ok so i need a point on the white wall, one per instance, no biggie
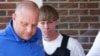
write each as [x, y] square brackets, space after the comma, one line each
[38, 2]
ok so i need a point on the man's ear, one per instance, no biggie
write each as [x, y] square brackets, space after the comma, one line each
[57, 22]
[13, 16]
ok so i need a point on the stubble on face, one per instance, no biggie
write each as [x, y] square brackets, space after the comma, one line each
[23, 21]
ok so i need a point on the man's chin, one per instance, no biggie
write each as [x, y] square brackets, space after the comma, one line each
[27, 37]
[46, 36]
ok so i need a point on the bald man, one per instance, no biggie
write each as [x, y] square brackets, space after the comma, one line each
[21, 36]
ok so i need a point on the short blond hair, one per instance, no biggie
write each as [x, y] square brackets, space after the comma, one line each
[47, 12]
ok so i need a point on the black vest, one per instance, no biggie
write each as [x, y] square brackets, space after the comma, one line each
[62, 51]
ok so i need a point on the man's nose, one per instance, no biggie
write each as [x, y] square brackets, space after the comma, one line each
[46, 25]
[29, 29]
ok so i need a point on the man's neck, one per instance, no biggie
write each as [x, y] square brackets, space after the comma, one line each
[52, 37]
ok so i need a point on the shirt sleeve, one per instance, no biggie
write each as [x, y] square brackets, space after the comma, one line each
[75, 48]
[39, 33]
[38, 36]
[95, 49]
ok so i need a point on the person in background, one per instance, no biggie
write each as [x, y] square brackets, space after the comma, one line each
[21, 36]
[55, 43]
[95, 49]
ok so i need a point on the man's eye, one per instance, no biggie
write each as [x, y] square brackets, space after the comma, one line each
[42, 22]
[49, 22]
[33, 25]
[25, 24]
